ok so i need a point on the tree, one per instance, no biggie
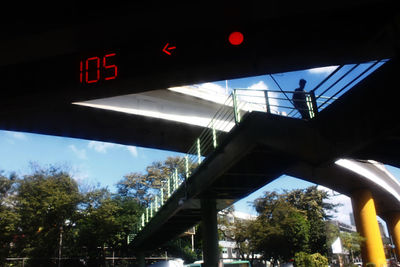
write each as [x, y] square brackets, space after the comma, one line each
[97, 225]
[282, 233]
[277, 233]
[45, 200]
[9, 218]
[302, 259]
[102, 223]
[44, 216]
[180, 247]
[311, 200]
[143, 186]
[127, 218]
[352, 243]
[293, 220]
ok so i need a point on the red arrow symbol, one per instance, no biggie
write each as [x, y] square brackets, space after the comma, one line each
[166, 49]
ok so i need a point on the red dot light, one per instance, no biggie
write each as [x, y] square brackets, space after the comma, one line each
[236, 38]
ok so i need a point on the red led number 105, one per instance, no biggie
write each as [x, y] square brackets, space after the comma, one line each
[95, 69]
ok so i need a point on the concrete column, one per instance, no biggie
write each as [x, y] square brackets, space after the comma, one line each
[367, 226]
[393, 221]
[210, 232]
[141, 261]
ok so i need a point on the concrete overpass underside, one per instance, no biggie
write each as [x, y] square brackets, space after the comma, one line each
[40, 68]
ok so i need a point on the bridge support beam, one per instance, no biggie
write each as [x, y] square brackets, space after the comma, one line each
[393, 221]
[367, 225]
[210, 232]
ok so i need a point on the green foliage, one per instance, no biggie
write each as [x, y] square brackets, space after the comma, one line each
[143, 186]
[303, 259]
[332, 232]
[317, 260]
[180, 247]
[9, 217]
[41, 209]
[310, 203]
[283, 234]
[352, 242]
[97, 223]
[278, 233]
[46, 200]
[127, 217]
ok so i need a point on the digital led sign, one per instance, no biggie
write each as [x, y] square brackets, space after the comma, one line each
[94, 69]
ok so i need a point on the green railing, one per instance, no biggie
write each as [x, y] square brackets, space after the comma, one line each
[240, 102]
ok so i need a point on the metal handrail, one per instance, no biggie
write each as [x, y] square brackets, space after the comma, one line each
[358, 76]
[209, 139]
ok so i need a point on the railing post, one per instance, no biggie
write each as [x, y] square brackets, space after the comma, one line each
[147, 215]
[235, 107]
[186, 167]
[151, 209]
[198, 151]
[168, 187]
[214, 135]
[162, 196]
[314, 103]
[142, 219]
[156, 203]
[267, 101]
[176, 179]
[172, 183]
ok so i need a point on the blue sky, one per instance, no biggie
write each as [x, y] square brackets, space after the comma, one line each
[92, 162]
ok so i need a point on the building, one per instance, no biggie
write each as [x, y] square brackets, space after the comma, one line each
[229, 247]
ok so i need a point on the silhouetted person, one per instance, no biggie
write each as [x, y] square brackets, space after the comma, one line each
[300, 101]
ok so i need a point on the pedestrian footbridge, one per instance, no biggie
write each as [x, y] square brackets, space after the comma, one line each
[255, 138]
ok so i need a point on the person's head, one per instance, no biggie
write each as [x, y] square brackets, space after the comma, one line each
[302, 83]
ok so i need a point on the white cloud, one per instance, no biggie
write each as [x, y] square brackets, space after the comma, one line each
[342, 213]
[213, 88]
[101, 147]
[132, 150]
[17, 135]
[79, 172]
[322, 70]
[80, 153]
[254, 98]
[260, 86]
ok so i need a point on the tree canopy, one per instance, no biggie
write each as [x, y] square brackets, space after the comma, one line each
[45, 215]
[287, 223]
[305, 206]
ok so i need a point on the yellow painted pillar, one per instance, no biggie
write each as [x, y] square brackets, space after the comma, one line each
[393, 222]
[367, 225]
